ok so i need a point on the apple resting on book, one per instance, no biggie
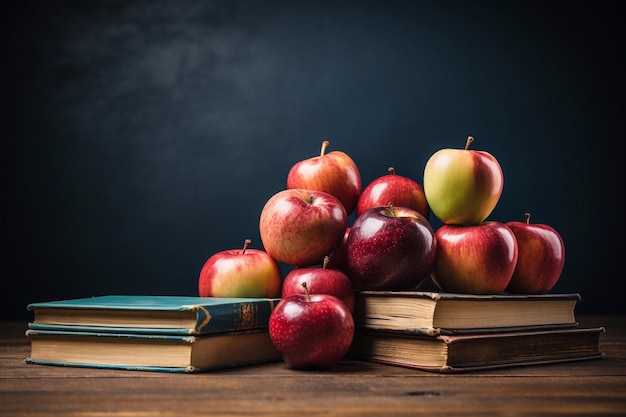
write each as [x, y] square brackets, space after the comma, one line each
[240, 273]
[476, 259]
[390, 248]
[320, 281]
[311, 330]
[541, 257]
[299, 227]
[334, 172]
[462, 186]
[399, 190]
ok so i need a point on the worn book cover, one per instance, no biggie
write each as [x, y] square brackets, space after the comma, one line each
[153, 314]
[151, 352]
[434, 313]
[473, 352]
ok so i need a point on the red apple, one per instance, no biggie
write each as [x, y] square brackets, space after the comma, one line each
[462, 186]
[541, 257]
[320, 280]
[334, 172]
[311, 330]
[390, 248]
[396, 189]
[299, 227]
[339, 258]
[477, 259]
[240, 273]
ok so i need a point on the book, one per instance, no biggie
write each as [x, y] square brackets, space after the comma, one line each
[472, 352]
[151, 352]
[153, 314]
[434, 313]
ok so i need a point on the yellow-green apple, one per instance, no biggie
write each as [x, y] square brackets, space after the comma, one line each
[335, 173]
[240, 273]
[540, 260]
[311, 331]
[399, 190]
[320, 280]
[339, 258]
[462, 186]
[390, 248]
[299, 227]
[477, 259]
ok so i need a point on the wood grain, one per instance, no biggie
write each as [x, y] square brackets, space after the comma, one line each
[350, 389]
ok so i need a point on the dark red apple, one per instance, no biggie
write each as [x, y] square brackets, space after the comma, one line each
[299, 227]
[240, 273]
[396, 189]
[334, 172]
[477, 259]
[390, 248]
[311, 330]
[541, 257]
[320, 280]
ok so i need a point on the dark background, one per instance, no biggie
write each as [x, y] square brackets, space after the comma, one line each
[141, 137]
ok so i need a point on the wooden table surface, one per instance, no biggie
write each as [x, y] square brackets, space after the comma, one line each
[592, 388]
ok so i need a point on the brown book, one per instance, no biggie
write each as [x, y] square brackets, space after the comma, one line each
[473, 352]
[434, 313]
[151, 352]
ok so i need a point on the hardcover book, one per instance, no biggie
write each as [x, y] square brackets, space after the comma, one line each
[151, 352]
[473, 352]
[433, 313]
[153, 314]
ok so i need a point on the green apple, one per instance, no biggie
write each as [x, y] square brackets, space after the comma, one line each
[462, 186]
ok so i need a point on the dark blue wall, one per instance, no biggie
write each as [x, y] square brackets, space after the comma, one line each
[140, 137]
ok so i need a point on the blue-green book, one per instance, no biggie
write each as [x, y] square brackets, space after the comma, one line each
[140, 314]
[151, 352]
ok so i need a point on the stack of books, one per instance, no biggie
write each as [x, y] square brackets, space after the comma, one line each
[443, 332]
[154, 333]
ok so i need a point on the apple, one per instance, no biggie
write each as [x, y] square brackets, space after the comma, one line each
[339, 258]
[311, 331]
[541, 257]
[334, 172]
[390, 248]
[392, 188]
[240, 273]
[462, 186]
[477, 259]
[299, 227]
[320, 280]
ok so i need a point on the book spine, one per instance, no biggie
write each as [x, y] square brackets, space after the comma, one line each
[234, 317]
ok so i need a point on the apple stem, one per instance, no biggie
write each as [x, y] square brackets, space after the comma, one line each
[326, 261]
[391, 209]
[306, 290]
[324, 146]
[391, 170]
[527, 216]
[246, 243]
[470, 139]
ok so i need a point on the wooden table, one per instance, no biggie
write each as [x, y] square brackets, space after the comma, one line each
[592, 388]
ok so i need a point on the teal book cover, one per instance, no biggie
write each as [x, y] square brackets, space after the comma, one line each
[142, 314]
[151, 352]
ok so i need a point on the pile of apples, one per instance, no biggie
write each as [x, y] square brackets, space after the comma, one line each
[390, 246]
